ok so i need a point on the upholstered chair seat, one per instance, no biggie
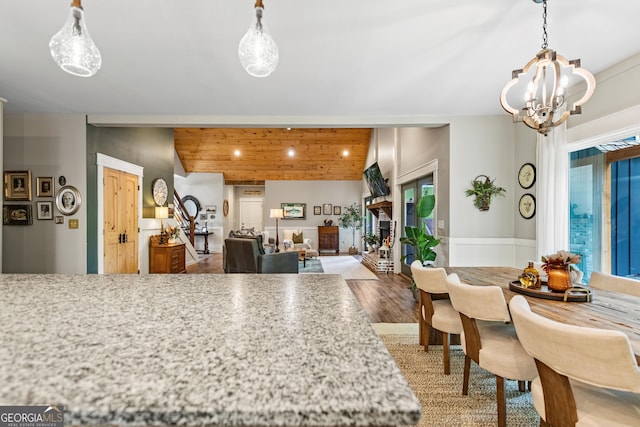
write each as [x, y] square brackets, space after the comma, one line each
[587, 376]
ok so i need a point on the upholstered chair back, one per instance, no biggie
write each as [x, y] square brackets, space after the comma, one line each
[429, 279]
[599, 357]
[610, 282]
[478, 302]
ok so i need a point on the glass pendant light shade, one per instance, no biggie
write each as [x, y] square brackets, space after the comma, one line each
[258, 51]
[72, 47]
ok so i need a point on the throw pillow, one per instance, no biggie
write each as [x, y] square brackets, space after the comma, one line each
[297, 238]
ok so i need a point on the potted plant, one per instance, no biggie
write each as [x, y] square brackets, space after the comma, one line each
[484, 189]
[371, 240]
[351, 218]
[417, 237]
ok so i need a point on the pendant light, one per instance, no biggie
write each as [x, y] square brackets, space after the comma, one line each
[537, 93]
[72, 47]
[258, 51]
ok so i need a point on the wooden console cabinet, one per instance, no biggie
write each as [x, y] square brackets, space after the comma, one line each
[166, 258]
[328, 238]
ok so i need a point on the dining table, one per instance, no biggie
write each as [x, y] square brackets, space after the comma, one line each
[605, 310]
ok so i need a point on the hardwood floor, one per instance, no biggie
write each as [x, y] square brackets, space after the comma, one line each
[387, 300]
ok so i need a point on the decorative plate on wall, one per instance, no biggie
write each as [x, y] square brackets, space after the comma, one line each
[225, 208]
[527, 206]
[527, 175]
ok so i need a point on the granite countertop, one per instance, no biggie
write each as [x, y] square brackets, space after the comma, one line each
[259, 350]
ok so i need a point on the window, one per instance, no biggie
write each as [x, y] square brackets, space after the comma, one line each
[604, 202]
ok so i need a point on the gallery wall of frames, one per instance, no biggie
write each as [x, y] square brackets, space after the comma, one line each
[46, 198]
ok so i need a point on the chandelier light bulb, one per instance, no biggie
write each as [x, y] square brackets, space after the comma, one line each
[258, 51]
[72, 47]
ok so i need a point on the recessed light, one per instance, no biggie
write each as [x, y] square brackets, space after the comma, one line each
[345, 153]
[291, 152]
[236, 153]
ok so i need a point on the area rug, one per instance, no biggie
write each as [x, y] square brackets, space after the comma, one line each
[349, 267]
[312, 266]
[441, 395]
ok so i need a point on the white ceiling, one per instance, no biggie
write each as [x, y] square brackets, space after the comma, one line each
[338, 58]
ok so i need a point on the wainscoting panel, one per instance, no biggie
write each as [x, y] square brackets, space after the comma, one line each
[476, 252]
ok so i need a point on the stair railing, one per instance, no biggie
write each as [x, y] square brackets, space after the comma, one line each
[181, 215]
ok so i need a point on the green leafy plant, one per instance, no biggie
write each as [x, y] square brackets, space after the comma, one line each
[351, 218]
[417, 237]
[423, 243]
[484, 189]
[371, 239]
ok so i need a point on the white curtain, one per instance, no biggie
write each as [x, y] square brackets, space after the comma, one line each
[552, 202]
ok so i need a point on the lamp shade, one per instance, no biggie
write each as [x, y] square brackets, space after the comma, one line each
[276, 213]
[162, 212]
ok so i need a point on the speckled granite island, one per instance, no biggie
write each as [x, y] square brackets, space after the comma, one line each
[241, 350]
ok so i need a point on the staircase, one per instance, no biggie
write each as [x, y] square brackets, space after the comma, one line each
[187, 224]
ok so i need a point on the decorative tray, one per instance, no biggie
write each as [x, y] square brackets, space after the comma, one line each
[575, 294]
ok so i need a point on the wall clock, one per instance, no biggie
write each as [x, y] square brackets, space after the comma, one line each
[527, 175]
[160, 191]
[527, 206]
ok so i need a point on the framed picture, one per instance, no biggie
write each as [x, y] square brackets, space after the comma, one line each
[326, 209]
[45, 210]
[294, 210]
[527, 175]
[317, 210]
[68, 200]
[527, 206]
[17, 215]
[59, 219]
[45, 186]
[337, 210]
[17, 185]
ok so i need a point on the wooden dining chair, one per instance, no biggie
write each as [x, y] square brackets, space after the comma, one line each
[489, 339]
[610, 282]
[587, 376]
[435, 308]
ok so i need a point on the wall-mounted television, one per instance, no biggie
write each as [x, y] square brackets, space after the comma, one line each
[375, 181]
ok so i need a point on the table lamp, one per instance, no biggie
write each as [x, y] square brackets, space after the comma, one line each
[162, 212]
[277, 214]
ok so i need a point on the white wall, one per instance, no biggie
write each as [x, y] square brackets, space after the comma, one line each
[313, 193]
[208, 188]
[47, 145]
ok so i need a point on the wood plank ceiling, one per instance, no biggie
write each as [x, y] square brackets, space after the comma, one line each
[319, 153]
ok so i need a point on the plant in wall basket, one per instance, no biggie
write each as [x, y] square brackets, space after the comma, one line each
[351, 218]
[484, 189]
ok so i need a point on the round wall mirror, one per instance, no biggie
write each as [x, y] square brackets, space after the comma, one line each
[193, 206]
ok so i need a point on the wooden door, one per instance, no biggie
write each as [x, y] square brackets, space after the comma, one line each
[120, 222]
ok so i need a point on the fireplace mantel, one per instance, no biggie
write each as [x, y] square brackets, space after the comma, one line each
[384, 205]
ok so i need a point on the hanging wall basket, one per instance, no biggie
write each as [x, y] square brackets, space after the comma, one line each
[483, 189]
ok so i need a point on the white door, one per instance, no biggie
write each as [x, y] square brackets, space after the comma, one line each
[251, 214]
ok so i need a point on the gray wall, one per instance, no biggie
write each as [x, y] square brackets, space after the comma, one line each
[150, 148]
[49, 146]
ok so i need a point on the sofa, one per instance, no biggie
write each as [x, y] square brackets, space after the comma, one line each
[294, 241]
[246, 255]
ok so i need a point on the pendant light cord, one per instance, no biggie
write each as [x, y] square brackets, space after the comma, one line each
[545, 37]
